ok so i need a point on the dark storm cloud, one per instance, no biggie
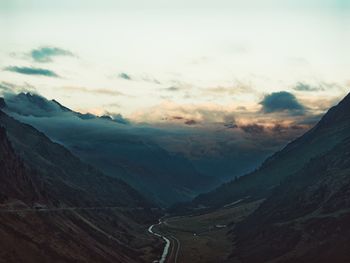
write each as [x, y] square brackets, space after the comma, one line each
[282, 101]
[32, 71]
[45, 54]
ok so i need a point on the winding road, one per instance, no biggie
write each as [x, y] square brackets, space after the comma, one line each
[172, 246]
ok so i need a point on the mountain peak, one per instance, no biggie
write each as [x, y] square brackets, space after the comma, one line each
[32, 104]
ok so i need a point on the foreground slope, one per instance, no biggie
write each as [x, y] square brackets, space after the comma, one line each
[331, 130]
[306, 219]
[54, 208]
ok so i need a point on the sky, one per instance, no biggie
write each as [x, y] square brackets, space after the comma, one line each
[184, 62]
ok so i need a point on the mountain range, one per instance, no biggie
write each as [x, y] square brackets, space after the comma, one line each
[332, 129]
[114, 147]
[56, 208]
[305, 199]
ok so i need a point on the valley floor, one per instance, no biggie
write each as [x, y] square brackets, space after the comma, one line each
[205, 237]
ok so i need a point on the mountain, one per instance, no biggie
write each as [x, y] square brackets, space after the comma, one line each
[115, 147]
[58, 165]
[17, 181]
[307, 217]
[332, 129]
[55, 208]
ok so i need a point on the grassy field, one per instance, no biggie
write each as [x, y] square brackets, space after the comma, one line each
[205, 238]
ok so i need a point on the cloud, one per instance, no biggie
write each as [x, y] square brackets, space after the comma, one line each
[124, 76]
[151, 80]
[120, 119]
[177, 118]
[173, 88]
[321, 86]
[45, 54]
[280, 102]
[139, 78]
[10, 88]
[236, 88]
[94, 91]
[32, 71]
[29, 104]
[190, 122]
[230, 121]
[253, 128]
[306, 87]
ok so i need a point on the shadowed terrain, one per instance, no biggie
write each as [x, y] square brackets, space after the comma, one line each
[54, 208]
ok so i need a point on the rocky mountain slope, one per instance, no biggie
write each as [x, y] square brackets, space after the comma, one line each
[54, 208]
[333, 128]
[306, 219]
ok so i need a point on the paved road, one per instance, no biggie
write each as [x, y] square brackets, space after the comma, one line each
[56, 209]
[178, 247]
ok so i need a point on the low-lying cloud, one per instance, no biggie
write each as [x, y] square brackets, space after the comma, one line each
[10, 88]
[252, 128]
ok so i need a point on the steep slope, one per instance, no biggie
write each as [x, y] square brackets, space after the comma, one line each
[17, 182]
[118, 150]
[54, 208]
[60, 168]
[332, 129]
[306, 219]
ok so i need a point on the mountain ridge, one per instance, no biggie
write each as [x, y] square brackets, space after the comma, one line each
[306, 218]
[49, 213]
[259, 183]
[114, 148]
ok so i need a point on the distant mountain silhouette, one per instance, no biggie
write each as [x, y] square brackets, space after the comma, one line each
[114, 148]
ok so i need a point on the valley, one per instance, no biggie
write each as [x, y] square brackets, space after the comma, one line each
[203, 236]
[276, 213]
[177, 131]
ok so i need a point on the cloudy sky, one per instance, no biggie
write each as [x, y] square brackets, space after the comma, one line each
[180, 61]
